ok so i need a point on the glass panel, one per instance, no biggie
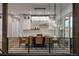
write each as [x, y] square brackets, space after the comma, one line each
[71, 26]
[68, 30]
[67, 26]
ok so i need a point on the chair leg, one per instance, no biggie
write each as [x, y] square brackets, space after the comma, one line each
[19, 45]
[42, 47]
[25, 46]
[46, 46]
[59, 45]
[31, 46]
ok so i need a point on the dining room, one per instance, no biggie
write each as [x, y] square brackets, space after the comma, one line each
[39, 28]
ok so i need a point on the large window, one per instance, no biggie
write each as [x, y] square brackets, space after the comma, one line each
[67, 29]
[71, 26]
[68, 26]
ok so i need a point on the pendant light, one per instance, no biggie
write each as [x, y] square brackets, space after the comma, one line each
[39, 11]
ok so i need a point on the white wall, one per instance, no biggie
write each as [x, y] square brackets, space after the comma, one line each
[64, 11]
[43, 30]
[13, 26]
[9, 26]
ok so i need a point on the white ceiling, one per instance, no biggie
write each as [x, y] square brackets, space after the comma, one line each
[26, 8]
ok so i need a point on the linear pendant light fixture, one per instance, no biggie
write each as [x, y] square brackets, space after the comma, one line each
[41, 10]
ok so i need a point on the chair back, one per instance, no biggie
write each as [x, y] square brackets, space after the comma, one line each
[31, 39]
[38, 40]
[46, 39]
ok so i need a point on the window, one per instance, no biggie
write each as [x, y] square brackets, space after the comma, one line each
[71, 26]
[68, 26]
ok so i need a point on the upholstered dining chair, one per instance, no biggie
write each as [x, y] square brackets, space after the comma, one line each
[30, 41]
[51, 42]
[56, 40]
[23, 40]
[46, 41]
[59, 41]
[38, 40]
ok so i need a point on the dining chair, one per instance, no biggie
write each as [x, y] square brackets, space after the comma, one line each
[56, 40]
[38, 41]
[23, 40]
[30, 41]
[46, 41]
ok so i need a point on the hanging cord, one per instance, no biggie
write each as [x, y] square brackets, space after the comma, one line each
[54, 11]
[49, 9]
[60, 11]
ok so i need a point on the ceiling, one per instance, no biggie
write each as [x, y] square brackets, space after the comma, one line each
[25, 8]
[28, 8]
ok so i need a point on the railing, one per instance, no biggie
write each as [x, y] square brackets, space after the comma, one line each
[65, 42]
[49, 49]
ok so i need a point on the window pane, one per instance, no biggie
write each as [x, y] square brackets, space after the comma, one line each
[67, 27]
[71, 26]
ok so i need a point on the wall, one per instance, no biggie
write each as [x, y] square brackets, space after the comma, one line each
[43, 29]
[9, 34]
[62, 11]
[13, 26]
[0, 27]
[76, 28]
